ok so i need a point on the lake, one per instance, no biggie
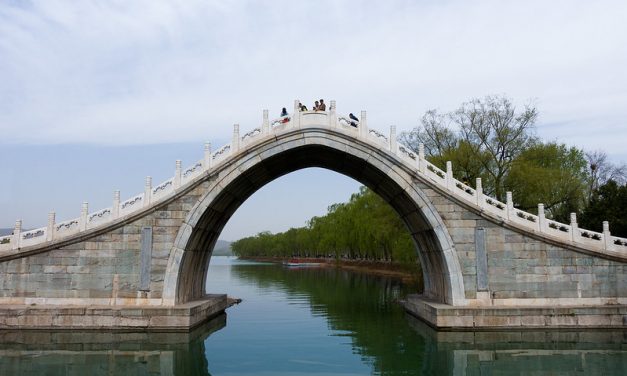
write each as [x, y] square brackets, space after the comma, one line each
[312, 321]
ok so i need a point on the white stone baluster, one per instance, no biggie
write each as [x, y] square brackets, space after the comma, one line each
[332, 115]
[177, 174]
[607, 237]
[83, 218]
[393, 147]
[148, 191]
[235, 141]
[207, 157]
[363, 125]
[449, 175]
[265, 125]
[296, 115]
[50, 231]
[422, 162]
[115, 210]
[574, 228]
[509, 204]
[479, 193]
[541, 218]
[17, 234]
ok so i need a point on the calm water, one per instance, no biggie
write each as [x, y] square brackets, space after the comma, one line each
[311, 321]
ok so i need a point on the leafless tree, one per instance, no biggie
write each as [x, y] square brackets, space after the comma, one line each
[602, 171]
[490, 130]
[493, 128]
[434, 132]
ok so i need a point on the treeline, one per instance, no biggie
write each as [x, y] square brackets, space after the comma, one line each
[364, 228]
[491, 139]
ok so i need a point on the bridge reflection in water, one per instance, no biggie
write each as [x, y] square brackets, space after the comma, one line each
[106, 353]
[358, 308]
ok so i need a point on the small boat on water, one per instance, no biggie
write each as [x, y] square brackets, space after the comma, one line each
[298, 263]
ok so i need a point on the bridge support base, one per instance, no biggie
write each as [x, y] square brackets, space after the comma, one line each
[182, 317]
[446, 317]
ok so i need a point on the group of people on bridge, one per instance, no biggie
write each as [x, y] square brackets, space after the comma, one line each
[318, 106]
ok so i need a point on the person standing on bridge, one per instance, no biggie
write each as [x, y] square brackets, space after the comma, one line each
[316, 106]
[322, 106]
[283, 112]
[354, 120]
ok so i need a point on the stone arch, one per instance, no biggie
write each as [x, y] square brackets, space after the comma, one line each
[266, 161]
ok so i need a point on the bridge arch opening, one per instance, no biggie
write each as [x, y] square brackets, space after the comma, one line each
[228, 188]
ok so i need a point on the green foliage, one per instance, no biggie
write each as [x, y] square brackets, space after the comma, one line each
[365, 228]
[552, 174]
[608, 203]
[467, 164]
[481, 139]
[490, 139]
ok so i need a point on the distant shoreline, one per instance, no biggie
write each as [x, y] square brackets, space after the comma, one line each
[382, 268]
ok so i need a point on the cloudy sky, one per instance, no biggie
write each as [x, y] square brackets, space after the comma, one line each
[95, 95]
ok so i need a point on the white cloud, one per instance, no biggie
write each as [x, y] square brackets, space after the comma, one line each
[120, 72]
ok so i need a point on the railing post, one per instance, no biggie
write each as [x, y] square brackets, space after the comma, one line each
[509, 203]
[265, 125]
[574, 227]
[51, 222]
[17, 234]
[607, 237]
[148, 191]
[393, 148]
[422, 162]
[296, 115]
[449, 175]
[83, 219]
[541, 218]
[177, 174]
[363, 125]
[207, 156]
[115, 210]
[332, 114]
[235, 140]
[479, 193]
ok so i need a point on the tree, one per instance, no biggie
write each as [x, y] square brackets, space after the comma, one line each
[493, 128]
[602, 171]
[608, 203]
[364, 228]
[490, 135]
[434, 133]
[553, 174]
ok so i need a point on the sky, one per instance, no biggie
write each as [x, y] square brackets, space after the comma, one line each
[96, 95]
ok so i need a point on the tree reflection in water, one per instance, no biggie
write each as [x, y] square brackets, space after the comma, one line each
[355, 307]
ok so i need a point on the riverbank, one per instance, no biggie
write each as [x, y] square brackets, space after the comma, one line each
[409, 274]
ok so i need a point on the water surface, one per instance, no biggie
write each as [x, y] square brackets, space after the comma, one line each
[312, 321]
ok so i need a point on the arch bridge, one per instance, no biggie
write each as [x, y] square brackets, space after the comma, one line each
[142, 263]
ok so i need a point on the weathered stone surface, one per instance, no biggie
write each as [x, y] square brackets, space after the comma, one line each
[491, 317]
[507, 264]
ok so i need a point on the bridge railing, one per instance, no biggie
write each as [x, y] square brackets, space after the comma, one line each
[355, 128]
[506, 210]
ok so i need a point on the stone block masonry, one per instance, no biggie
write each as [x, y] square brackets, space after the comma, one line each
[138, 262]
[182, 317]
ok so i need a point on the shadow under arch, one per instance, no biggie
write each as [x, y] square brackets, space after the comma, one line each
[251, 169]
